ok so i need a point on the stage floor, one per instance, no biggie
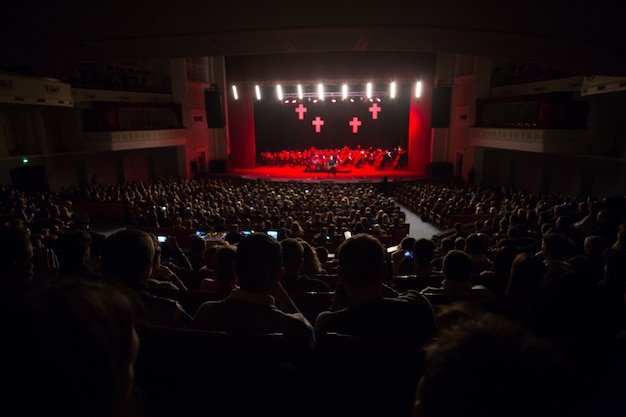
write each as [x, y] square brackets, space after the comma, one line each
[347, 174]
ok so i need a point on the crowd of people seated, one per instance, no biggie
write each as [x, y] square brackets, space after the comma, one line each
[312, 211]
[524, 314]
[316, 159]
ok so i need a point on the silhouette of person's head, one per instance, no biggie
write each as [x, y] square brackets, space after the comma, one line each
[128, 255]
[556, 247]
[424, 251]
[362, 262]
[293, 255]
[457, 266]
[259, 263]
[73, 351]
[488, 366]
[16, 259]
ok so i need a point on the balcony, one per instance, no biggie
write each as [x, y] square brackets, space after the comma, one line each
[40, 91]
[558, 141]
[133, 139]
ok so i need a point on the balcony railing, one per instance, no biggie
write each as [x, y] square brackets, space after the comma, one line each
[562, 141]
[135, 139]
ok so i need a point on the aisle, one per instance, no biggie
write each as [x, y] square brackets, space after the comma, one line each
[418, 227]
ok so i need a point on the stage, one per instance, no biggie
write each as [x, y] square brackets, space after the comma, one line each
[348, 174]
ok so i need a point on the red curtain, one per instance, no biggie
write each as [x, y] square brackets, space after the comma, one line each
[242, 141]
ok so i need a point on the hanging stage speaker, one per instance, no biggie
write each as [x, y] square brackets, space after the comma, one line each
[30, 178]
[440, 115]
[214, 108]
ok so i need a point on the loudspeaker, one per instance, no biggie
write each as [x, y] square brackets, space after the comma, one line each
[440, 115]
[217, 167]
[213, 108]
[30, 178]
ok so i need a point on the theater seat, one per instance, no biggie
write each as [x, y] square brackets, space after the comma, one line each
[363, 376]
[311, 304]
[189, 299]
[182, 373]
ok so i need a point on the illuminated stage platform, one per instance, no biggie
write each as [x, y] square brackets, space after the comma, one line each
[365, 174]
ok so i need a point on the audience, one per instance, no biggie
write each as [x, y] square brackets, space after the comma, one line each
[476, 245]
[196, 253]
[423, 256]
[402, 257]
[24, 265]
[70, 352]
[74, 252]
[253, 307]
[128, 259]
[362, 268]
[486, 366]
[224, 277]
[295, 280]
[162, 275]
[555, 269]
[457, 273]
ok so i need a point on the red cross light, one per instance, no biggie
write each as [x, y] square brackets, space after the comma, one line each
[301, 110]
[355, 123]
[375, 110]
[318, 123]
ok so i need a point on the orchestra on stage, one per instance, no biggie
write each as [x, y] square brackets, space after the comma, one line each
[331, 160]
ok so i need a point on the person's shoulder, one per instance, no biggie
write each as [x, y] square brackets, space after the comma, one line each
[409, 301]
[209, 305]
[432, 290]
[317, 284]
[325, 317]
[290, 323]
[413, 296]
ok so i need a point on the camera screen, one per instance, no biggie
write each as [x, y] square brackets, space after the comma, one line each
[162, 238]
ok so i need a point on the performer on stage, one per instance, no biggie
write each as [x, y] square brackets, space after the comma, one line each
[332, 165]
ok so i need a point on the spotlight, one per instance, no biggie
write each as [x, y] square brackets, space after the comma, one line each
[418, 89]
[314, 101]
[287, 101]
[334, 100]
[257, 90]
[293, 101]
[279, 92]
[392, 90]
[235, 95]
[351, 100]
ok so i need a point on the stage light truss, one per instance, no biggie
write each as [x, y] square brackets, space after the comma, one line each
[335, 94]
[291, 93]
